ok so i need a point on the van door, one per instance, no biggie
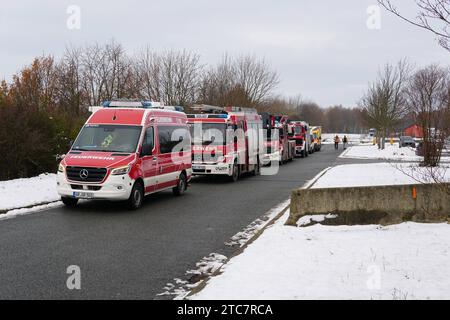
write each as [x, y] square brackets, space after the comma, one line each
[167, 170]
[150, 160]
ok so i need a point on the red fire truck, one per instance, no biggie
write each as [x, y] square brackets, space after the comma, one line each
[300, 133]
[225, 141]
[125, 151]
[277, 144]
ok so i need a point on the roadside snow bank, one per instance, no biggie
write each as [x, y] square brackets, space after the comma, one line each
[391, 152]
[27, 192]
[375, 174]
[406, 261]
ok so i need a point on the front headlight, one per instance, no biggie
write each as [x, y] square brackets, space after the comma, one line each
[120, 171]
[61, 168]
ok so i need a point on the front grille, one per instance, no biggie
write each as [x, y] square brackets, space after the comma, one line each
[299, 142]
[206, 157]
[197, 157]
[269, 150]
[90, 188]
[79, 174]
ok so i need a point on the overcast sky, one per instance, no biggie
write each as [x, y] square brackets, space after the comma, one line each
[322, 50]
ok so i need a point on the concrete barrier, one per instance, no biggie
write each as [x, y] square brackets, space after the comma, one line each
[373, 205]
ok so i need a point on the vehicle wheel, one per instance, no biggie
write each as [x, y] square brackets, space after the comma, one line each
[235, 174]
[70, 202]
[181, 185]
[257, 170]
[136, 197]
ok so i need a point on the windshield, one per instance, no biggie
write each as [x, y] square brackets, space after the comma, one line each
[108, 138]
[208, 133]
[297, 130]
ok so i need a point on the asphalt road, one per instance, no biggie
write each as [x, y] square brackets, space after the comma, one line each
[132, 255]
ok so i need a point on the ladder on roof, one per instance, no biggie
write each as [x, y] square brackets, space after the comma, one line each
[204, 108]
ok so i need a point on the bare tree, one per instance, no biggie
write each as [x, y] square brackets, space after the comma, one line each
[255, 77]
[384, 103]
[242, 80]
[428, 99]
[433, 15]
[148, 70]
[179, 79]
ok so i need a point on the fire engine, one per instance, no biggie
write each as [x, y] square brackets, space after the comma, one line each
[225, 141]
[299, 132]
[278, 145]
[127, 150]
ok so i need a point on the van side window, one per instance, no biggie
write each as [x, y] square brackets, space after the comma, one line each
[169, 137]
[149, 137]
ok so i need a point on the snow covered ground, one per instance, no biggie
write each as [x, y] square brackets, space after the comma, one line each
[391, 152]
[21, 193]
[375, 174]
[405, 261]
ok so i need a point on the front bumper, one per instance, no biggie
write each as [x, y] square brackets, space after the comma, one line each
[212, 169]
[271, 157]
[113, 188]
[299, 149]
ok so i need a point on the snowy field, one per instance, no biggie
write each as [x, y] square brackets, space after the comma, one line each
[21, 193]
[376, 174]
[391, 152]
[405, 261]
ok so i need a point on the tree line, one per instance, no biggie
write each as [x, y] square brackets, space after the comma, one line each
[404, 92]
[45, 104]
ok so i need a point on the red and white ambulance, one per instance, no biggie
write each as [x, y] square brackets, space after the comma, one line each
[127, 150]
[226, 141]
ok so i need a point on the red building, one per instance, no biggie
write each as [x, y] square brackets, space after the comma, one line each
[413, 131]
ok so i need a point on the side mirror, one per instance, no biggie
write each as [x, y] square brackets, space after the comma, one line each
[146, 150]
[70, 144]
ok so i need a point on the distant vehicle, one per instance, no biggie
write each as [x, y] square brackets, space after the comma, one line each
[299, 132]
[407, 141]
[372, 132]
[225, 141]
[317, 136]
[127, 150]
[278, 145]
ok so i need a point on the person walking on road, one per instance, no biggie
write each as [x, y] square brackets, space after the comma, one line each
[345, 141]
[336, 142]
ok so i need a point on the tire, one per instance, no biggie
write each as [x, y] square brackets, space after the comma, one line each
[70, 202]
[181, 185]
[257, 170]
[136, 197]
[235, 175]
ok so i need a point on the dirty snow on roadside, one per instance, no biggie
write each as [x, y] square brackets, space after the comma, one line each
[374, 174]
[391, 152]
[406, 261]
[207, 266]
[21, 193]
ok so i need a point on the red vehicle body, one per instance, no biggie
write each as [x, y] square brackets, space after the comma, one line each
[277, 143]
[299, 132]
[125, 154]
[225, 141]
